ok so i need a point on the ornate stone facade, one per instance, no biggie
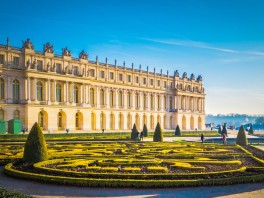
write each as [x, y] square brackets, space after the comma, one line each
[63, 92]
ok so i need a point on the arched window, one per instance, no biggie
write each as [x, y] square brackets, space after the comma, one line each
[158, 101]
[92, 96]
[112, 121]
[2, 114]
[111, 98]
[58, 93]
[76, 121]
[16, 91]
[144, 101]
[151, 101]
[102, 121]
[152, 122]
[2, 89]
[16, 115]
[75, 94]
[165, 102]
[60, 120]
[129, 121]
[128, 100]
[39, 91]
[121, 121]
[137, 100]
[102, 96]
[120, 99]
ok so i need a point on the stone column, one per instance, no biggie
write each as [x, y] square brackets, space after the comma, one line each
[48, 93]
[28, 89]
[67, 92]
[81, 94]
[25, 88]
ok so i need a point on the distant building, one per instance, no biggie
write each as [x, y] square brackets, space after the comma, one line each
[59, 92]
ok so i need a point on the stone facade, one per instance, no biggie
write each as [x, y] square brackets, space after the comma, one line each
[60, 92]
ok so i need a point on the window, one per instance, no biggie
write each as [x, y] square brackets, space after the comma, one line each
[39, 91]
[128, 78]
[165, 102]
[165, 84]
[16, 115]
[144, 81]
[15, 91]
[136, 79]
[151, 101]
[158, 101]
[2, 89]
[2, 114]
[75, 70]
[170, 102]
[39, 65]
[151, 82]
[91, 72]
[16, 61]
[2, 59]
[58, 93]
[102, 74]
[120, 99]
[158, 83]
[128, 99]
[102, 96]
[92, 96]
[111, 98]
[137, 100]
[120, 77]
[112, 75]
[58, 68]
[75, 94]
[144, 101]
[171, 85]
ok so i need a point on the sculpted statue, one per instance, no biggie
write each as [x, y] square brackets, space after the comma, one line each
[176, 73]
[199, 78]
[48, 48]
[66, 52]
[34, 65]
[192, 77]
[28, 63]
[27, 44]
[83, 55]
[184, 75]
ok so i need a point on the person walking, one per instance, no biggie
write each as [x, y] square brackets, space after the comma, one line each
[141, 136]
[224, 138]
[202, 138]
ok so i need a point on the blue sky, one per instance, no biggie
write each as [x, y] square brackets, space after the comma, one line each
[221, 40]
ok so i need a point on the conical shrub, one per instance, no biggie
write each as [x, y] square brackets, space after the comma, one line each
[177, 131]
[241, 137]
[251, 131]
[145, 130]
[224, 131]
[134, 133]
[219, 130]
[158, 135]
[35, 149]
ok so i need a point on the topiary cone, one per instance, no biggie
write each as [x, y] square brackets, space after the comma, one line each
[251, 131]
[145, 130]
[219, 130]
[134, 133]
[35, 149]
[241, 137]
[158, 135]
[177, 131]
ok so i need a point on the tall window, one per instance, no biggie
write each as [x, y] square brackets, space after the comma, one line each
[136, 79]
[58, 93]
[158, 101]
[129, 100]
[39, 65]
[16, 115]
[137, 100]
[41, 119]
[151, 101]
[2, 59]
[120, 99]
[59, 120]
[128, 78]
[165, 102]
[145, 101]
[102, 96]
[58, 68]
[144, 81]
[111, 98]
[102, 74]
[170, 102]
[92, 72]
[2, 114]
[2, 89]
[120, 78]
[15, 91]
[92, 96]
[16, 61]
[39, 91]
[75, 70]
[75, 94]
[111, 75]
[77, 121]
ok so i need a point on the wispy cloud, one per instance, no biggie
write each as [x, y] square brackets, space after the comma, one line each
[202, 45]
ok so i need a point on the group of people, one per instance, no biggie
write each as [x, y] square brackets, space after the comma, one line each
[223, 138]
[140, 136]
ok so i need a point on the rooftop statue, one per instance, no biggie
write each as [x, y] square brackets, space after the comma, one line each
[199, 78]
[27, 44]
[66, 52]
[184, 75]
[47, 48]
[83, 55]
[176, 73]
[192, 77]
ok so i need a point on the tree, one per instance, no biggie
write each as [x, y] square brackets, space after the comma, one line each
[158, 135]
[145, 130]
[177, 131]
[224, 131]
[260, 120]
[134, 133]
[35, 149]
[251, 131]
[219, 130]
[241, 137]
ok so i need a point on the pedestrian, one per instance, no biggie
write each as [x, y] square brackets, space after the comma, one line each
[67, 130]
[224, 138]
[138, 136]
[202, 138]
[102, 130]
[23, 129]
[141, 136]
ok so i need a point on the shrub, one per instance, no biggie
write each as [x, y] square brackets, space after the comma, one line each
[145, 130]
[158, 135]
[224, 131]
[134, 133]
[251, 131]
[219, 130]
[241, 137]
[178, 131]
[35, 149]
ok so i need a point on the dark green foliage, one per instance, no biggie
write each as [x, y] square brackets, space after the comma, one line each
[7, 194]
[177, 131]
[224, 131]
[145, 130]
[134, 133]
[35, 148]
[219, 130]
[158, 135]
[241, 137]
[251, 131]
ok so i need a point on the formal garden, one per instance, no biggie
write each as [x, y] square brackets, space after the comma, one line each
[133, 163]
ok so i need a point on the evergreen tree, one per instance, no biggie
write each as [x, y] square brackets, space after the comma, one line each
[145, 130]
[134, 133]
[219, 130]
[35, 149]
[177, 131]
[158, 135]
[241, 137]
[251, 131]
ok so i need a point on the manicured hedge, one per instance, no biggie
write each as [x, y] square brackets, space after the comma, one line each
[8, 194]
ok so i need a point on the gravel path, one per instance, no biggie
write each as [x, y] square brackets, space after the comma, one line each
[51, 190]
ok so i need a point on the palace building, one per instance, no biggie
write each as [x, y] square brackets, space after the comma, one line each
[59, 92]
